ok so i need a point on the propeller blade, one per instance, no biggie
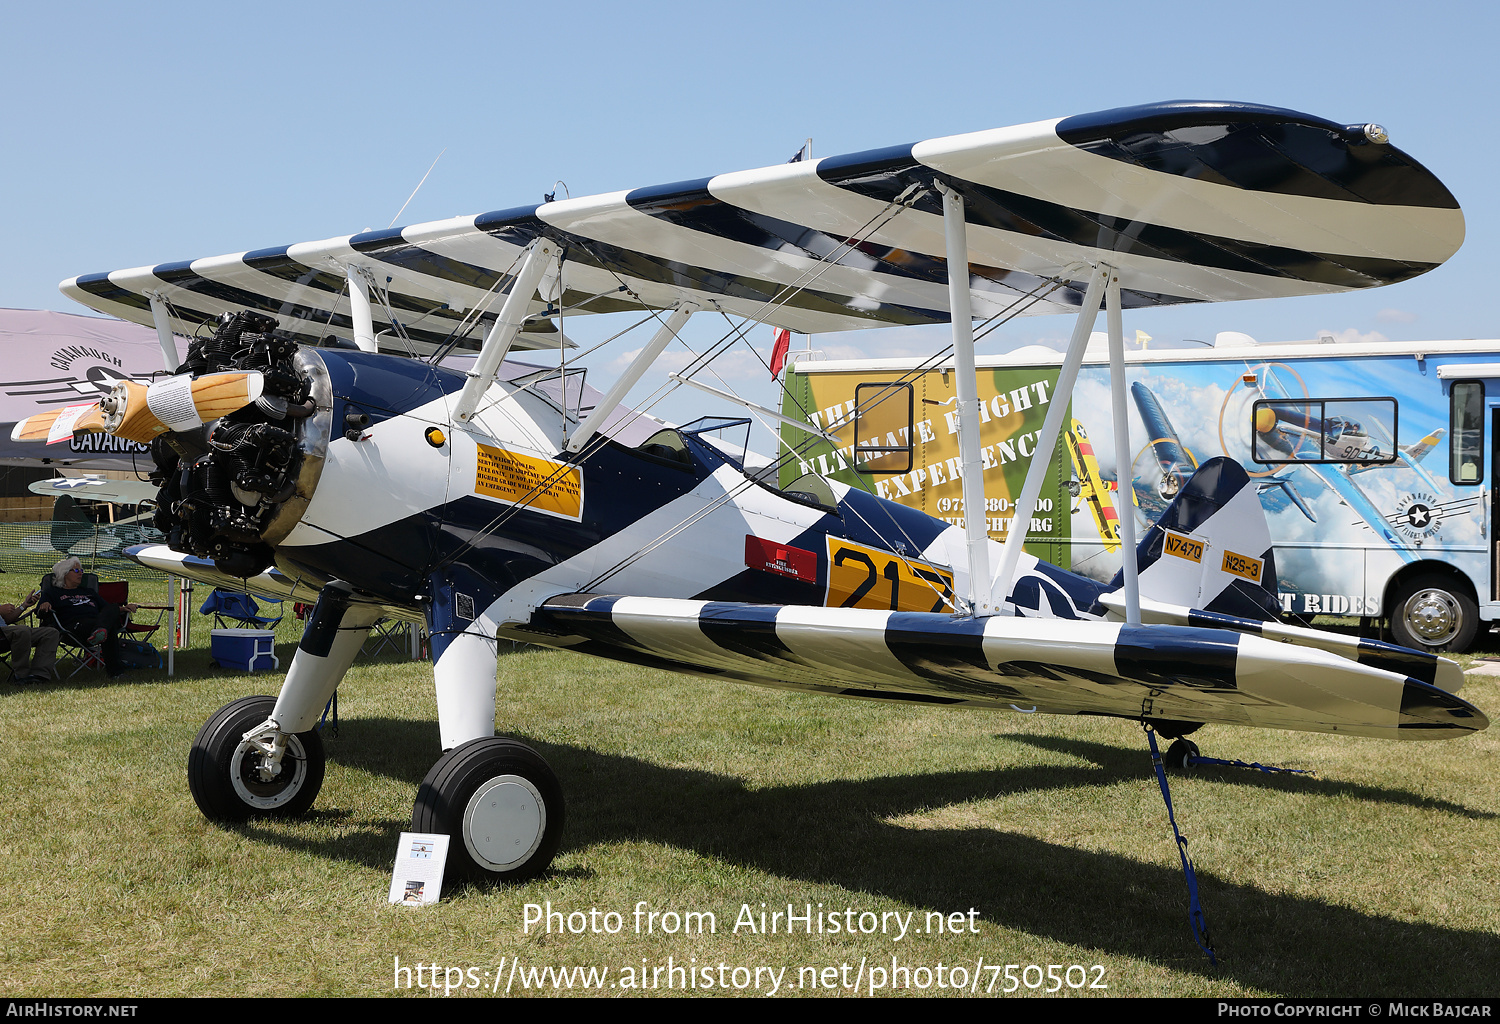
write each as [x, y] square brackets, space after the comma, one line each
[142, 412]
[59, 424]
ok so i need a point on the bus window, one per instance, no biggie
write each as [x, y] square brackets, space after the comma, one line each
[883, 428]
[1359, 430]
[1466, 432]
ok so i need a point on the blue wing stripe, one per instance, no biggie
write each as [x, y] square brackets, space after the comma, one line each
[1167, 655]
[748, 630]
[1319, 158]
[1018, 214]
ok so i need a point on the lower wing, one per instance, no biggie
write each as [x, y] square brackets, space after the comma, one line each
[1180, 673]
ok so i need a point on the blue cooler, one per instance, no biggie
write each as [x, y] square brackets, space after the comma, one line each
[247, 649]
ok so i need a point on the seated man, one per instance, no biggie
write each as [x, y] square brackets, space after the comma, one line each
[83, 613]
[26, 666]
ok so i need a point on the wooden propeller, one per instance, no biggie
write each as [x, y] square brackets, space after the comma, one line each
[142, 412]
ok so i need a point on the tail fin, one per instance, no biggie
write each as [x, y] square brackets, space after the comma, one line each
[1211, 548]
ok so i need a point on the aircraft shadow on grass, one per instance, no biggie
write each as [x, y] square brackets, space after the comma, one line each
[1130, 763]
[839, 833]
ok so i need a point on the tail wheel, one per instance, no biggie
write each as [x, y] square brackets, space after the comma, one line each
[1433, 613]
[229, 777]
[1179, 755]
[502, 805]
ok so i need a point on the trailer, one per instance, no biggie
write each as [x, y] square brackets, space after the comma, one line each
[1374, 463]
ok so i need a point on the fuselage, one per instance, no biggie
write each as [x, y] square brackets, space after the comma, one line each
[392, 508]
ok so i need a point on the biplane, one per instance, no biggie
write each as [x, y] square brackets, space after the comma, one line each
[312, 435]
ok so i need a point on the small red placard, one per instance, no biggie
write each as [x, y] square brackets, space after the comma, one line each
[781, 559]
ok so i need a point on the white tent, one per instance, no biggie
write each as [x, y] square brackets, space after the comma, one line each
[50, 359]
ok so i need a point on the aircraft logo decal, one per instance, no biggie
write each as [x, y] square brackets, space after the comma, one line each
[1420, 515]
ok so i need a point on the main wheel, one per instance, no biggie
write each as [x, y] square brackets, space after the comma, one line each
[225, 772]
[501, 804]
[1178, 756]
[1433, 613]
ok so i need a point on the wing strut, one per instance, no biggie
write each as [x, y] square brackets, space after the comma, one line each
[976, 534]
[163, 331]
[1112, 316]
[1010, 555]
[359, 309]
[633, 372]
[507, 326]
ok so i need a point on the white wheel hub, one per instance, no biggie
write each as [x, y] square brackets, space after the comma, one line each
[504, 823]
[250, 780]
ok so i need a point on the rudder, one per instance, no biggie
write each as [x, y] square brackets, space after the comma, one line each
[1211, 548]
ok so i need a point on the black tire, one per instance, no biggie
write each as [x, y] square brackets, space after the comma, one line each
[223, 776]
[1434, 613]
[1178, 754]
[501, 804]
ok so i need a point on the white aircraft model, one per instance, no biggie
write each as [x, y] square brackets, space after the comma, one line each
[492, 507]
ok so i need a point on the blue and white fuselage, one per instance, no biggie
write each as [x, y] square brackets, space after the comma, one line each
[669, 553]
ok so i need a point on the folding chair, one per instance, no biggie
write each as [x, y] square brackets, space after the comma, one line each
[118, 592]
[390, 633]
[238, 608]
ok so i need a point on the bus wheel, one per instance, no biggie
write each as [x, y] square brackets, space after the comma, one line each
[1431, 613]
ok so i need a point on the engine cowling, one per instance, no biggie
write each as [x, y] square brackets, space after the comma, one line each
[233, 488]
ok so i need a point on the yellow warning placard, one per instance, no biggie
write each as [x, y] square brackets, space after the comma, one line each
[1184, 547]
[541, 485]
[865, 577]
[1243, 566]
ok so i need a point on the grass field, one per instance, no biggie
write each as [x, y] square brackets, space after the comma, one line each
[1376, 877]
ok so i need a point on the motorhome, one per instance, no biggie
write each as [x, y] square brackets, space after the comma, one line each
[1374, 462]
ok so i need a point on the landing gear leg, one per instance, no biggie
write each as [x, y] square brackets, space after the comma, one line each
[262, 755]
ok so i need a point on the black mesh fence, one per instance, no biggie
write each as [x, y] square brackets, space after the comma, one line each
[31, 549]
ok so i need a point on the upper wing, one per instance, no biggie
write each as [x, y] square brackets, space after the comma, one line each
[1181, 673]
[1191, 201]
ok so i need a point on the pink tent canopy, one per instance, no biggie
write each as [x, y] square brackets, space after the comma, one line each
[50, 359]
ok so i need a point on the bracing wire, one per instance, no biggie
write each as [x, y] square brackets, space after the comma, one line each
[702, 360]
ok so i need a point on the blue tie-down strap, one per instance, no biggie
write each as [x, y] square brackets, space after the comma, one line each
[1195, 909]
[331, 707]
[1197, 759]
